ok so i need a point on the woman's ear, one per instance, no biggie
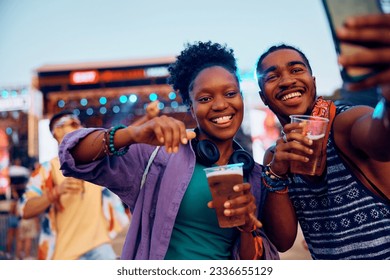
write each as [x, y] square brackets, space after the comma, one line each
[192, 110]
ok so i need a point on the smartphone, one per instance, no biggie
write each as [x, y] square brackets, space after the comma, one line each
[337, 11]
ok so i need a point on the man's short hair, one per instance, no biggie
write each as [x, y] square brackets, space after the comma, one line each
[58, 116]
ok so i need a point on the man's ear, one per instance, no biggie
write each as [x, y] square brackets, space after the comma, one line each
[56, 134]
[263, 98]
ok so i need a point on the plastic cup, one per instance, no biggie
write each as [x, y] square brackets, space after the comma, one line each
[221, 181]
[315, 129]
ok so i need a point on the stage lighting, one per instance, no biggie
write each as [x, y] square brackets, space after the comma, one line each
[103, 100]
[84, 102]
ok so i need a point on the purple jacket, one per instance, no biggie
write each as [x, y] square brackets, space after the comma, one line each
[154, 208]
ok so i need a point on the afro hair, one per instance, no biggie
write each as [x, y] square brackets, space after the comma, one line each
[193, 59]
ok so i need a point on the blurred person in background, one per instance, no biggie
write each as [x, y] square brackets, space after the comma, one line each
[27, 233]
[13, 226]
[78, 219]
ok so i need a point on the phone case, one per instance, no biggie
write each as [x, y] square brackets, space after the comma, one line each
[354, 74]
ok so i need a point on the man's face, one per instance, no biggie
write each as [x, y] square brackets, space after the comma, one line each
[64, 125]
[287, 85]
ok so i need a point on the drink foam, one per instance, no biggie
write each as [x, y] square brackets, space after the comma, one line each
[224, 173]
[315, 137]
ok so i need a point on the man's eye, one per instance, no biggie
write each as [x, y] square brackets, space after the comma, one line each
[296, 70]
[270, 78]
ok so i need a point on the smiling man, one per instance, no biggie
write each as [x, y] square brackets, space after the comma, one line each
[345, 212]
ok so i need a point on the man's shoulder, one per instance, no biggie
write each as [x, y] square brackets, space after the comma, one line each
[342, 108]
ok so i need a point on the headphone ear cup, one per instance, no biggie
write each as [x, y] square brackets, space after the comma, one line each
[244, 157]
[206, 152]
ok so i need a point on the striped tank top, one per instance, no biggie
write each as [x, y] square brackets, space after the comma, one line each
[340, 218]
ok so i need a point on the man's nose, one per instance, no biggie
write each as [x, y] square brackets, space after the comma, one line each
[286, 80]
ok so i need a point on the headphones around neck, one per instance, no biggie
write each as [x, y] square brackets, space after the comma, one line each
[207, 154]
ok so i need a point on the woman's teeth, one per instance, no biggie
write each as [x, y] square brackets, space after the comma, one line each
[222, 119]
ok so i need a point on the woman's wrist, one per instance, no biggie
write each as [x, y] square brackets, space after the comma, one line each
[258, 241]
[247, 228]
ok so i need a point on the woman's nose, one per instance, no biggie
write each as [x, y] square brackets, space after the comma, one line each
[219, 103]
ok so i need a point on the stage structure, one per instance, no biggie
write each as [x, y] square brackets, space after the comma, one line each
[109, 93]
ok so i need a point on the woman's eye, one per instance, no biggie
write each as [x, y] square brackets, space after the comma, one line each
[204, 99]
[231, 93]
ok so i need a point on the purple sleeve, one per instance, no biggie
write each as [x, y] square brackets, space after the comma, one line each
[120, 174]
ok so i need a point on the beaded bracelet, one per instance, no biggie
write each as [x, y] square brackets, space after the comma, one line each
[273, 175]
[111, 146]
[274, 183]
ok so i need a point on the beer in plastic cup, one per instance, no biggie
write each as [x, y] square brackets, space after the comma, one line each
[221, 181]
[315, 129]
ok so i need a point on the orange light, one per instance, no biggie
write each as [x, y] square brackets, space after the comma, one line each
[84, 77]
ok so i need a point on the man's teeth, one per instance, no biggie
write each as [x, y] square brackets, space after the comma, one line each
[222, 119]
[291, 95]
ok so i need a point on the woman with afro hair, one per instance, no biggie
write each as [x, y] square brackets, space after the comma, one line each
[171, 204]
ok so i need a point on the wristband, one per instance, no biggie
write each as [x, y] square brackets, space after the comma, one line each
[259, 249]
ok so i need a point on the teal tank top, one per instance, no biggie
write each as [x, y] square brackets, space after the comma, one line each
[196, 234]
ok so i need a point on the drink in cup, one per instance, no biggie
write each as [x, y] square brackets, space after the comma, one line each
[221, 181]
[315, 129]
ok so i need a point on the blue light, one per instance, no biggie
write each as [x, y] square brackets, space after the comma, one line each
[172, 95]
[103, 110]
[116, 109]
[4, 93]
[174, 104]
[103, 100]
[76, 112]
[161, 105]
[133, 98]
[14, 93]
[89, 111]
[84, 101]
[8, 130]
[153, 96]
[123, 99]
[61, 103]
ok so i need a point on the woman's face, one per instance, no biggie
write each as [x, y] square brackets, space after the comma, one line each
[217, 104]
